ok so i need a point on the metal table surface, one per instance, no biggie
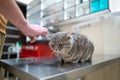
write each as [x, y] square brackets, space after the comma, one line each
[50, 68]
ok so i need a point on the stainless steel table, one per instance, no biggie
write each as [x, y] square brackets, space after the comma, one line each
[50, 68]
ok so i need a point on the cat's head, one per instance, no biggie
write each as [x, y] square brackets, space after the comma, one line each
[60, 42]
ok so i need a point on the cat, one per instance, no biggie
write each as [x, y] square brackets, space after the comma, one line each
[71, 47]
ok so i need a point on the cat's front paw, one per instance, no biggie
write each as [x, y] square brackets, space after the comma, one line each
[74, 62]
[83, 61]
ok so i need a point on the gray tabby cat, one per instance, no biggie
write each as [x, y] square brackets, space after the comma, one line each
[72, 47]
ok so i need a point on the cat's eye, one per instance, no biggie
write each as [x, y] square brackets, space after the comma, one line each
[68, 37]
[60, 44]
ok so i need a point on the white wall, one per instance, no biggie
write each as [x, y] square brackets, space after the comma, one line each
[114, 5]
[111, 31]
[95, 34]
[104, 34]
[66, 28]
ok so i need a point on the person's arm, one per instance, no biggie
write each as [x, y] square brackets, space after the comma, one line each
[12, 12]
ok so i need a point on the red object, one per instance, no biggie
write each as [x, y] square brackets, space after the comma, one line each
[36, 50]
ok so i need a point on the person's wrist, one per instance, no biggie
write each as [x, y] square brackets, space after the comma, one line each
[22, 25]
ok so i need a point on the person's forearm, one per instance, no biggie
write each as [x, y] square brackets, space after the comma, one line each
[12, 12]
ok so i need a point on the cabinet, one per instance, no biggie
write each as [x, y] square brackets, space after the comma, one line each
[110, 72]
[47, 12]
[98, 5]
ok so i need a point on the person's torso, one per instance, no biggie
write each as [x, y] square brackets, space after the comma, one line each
[3, 23]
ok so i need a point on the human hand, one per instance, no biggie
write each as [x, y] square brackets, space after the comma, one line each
[33, 31]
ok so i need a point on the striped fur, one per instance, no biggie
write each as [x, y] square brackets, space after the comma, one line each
[72, 47]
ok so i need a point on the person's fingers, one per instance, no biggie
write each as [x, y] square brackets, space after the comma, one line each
[44, 36]
[44, 31]
[33, 39]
